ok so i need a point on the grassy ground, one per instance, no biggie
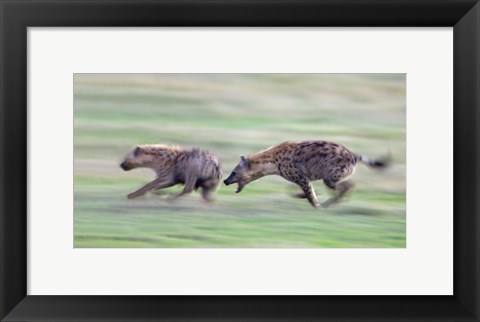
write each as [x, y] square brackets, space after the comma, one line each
[232, 115]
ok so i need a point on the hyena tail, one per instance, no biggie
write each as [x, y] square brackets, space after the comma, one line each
[377, 163]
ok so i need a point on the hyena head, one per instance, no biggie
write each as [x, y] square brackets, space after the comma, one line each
[139, 157]
[241, 175]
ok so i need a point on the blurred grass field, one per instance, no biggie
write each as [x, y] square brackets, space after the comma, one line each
[231, 115]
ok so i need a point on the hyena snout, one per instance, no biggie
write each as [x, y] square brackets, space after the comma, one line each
[234, 179]
[125, 166]
[230, 179]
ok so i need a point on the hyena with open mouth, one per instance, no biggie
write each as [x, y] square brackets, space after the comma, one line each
[301, 163]
[173, 165]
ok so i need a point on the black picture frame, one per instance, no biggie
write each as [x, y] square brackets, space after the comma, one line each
[17, 15]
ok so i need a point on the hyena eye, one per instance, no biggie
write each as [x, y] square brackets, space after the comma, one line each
[234, 173]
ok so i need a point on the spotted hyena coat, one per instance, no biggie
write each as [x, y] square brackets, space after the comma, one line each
[174, 165]
[301, 163]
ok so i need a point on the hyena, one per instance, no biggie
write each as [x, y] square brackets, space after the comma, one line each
[301, 163]
[173, 165]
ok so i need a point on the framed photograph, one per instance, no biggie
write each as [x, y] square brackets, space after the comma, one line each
[239, 160]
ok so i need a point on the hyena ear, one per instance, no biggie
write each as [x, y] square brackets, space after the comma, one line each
[137, 151]
[244, 162]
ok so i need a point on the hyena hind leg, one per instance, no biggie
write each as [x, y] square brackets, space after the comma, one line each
[208, 188]
[341, 188]
[207, 194]
[188, 188]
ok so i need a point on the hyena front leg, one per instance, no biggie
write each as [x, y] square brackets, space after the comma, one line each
[308, 192]
[158, 183]
[297, 176]
[157, 189]
[341, 188]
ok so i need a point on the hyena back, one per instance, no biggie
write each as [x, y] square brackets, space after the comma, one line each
[173, 165]
[301, 163]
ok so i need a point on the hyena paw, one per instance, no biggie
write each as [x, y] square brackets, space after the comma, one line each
[175, 195]
[158, 192]
[328, 203]
[300, 195]
[132, 195]
[208, 198]
[315, 204]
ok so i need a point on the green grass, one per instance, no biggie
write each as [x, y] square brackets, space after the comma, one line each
[233, 115]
